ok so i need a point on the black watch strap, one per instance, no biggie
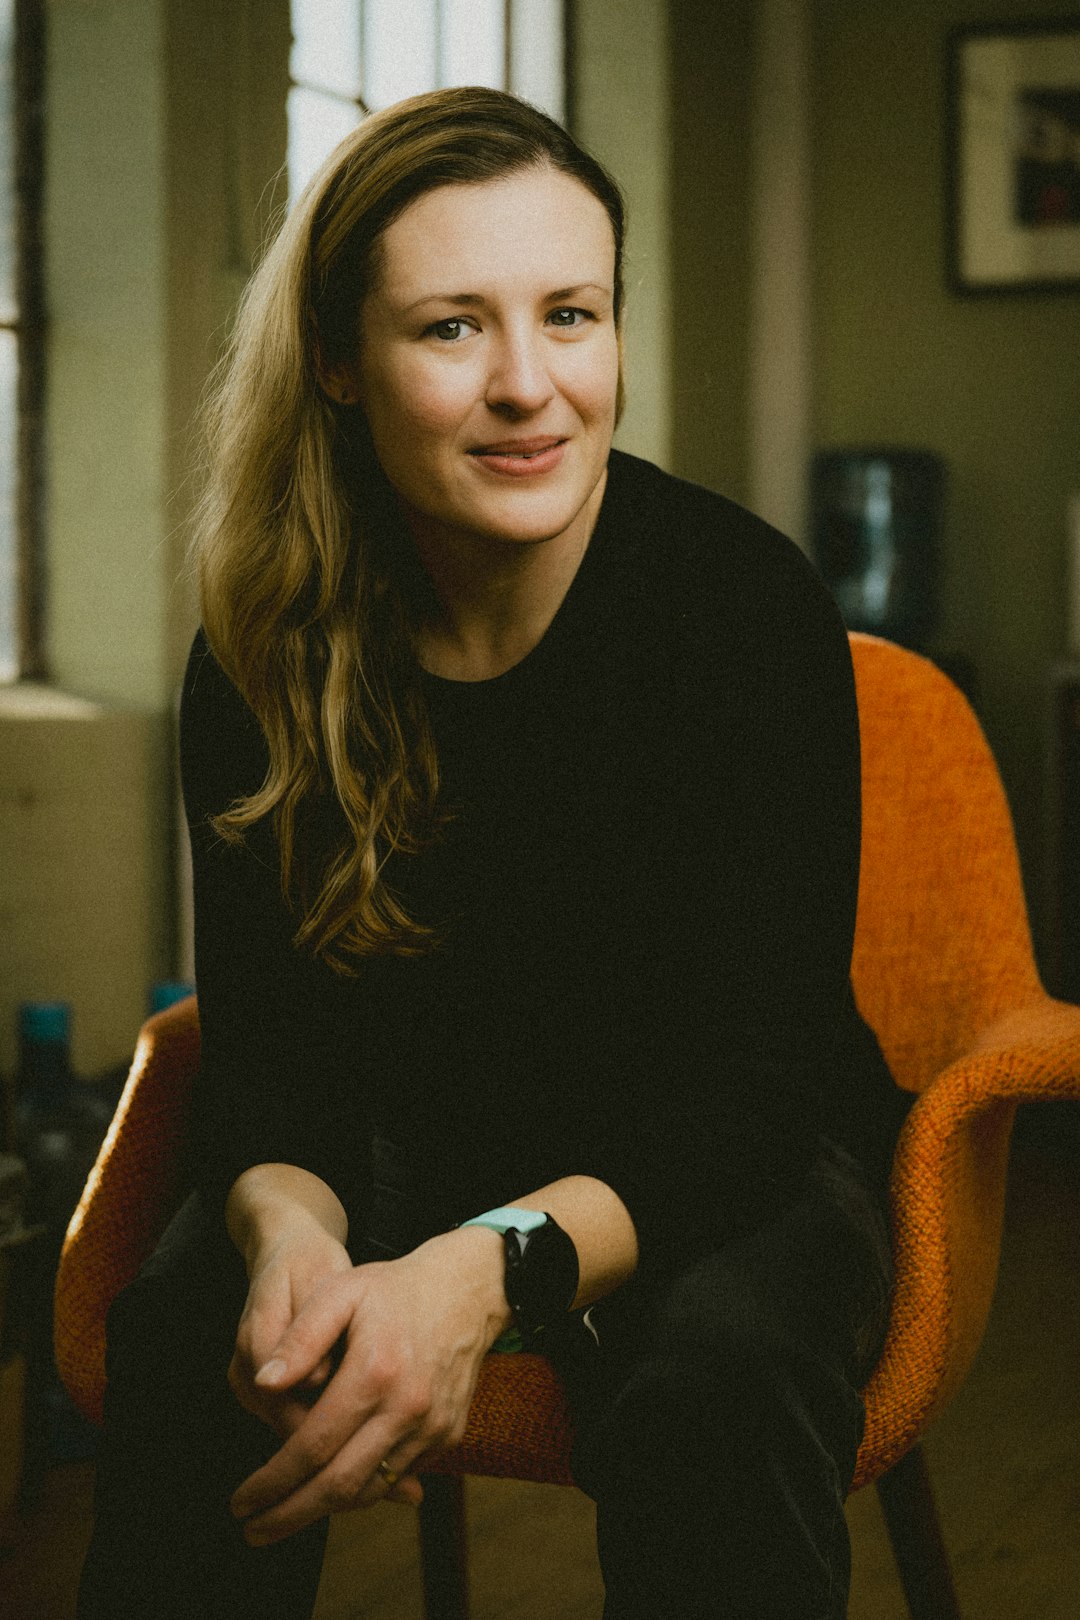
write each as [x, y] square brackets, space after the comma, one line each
[542, 1275]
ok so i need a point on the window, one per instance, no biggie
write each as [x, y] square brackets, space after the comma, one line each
[350, 57]
[21, 334]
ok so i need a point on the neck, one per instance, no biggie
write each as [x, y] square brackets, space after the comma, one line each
[495, 598]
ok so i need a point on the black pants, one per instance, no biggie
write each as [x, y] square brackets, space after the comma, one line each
[718, 1421]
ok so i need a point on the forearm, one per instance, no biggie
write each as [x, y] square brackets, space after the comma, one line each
[601, 1228]
[268, 1198]
[596, 1220]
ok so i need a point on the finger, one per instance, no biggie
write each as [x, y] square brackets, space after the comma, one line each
[300, 1396]
[405, 1491]
[318, 1498]
[392, 1481]
[308, 1342]
[394, 1476]
[351, 1480]
[265, 1320]
[317, 1377]
[320, 1374]
[283, 1413]
[339, 1415]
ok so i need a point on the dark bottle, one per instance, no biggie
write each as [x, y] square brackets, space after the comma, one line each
[59, 1124]
[44, 1054]
[876, 532]
[53, 1127]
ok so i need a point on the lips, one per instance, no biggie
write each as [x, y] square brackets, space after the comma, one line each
[517, 447]
[520, 458]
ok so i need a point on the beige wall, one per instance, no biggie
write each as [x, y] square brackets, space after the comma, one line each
[662, 94]
[991, 383]
[621, 103]
[80, 879]
[165, 132]
[106, 296]
[708, 172]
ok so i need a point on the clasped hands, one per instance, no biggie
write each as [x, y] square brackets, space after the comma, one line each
[354, 1366]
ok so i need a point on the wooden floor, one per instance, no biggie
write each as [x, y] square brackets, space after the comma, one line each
[1005, 1461]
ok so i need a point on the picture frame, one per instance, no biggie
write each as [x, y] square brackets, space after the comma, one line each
[1013, 157]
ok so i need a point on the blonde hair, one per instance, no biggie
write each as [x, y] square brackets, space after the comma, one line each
[307, 583]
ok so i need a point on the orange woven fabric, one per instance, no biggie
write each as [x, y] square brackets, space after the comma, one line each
[127, 1201]
[943, 970]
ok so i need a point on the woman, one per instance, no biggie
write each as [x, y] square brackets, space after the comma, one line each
[523, 787]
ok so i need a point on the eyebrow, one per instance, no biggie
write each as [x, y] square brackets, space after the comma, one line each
[471, 300]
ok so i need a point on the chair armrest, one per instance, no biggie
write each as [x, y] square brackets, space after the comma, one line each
[948, 1197]
[129, 1196]
[519, 1425]
[1030, 1054]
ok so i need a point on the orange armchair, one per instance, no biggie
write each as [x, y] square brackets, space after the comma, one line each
[943, 970]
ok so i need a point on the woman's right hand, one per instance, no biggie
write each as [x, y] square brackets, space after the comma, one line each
[291, 1229]
[287, 1266]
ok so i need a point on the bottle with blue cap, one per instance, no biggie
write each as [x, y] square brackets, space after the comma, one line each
[59, 1124]
[166, 993]
[44, 1080]
[45, 1129]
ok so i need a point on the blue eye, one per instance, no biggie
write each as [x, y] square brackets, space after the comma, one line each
[569, 318]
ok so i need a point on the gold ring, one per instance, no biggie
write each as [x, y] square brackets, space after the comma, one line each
[385, 1472]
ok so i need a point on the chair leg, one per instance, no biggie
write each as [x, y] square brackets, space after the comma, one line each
[907, 1502]
[443, 1548]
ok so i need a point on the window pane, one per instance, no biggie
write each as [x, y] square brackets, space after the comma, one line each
[536, 54]
[316, 124]
[400, 49]
[7, 160]
[8, 541]
[473, 43]
[326, 45]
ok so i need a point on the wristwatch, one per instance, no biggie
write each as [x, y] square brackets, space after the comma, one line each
[541, 1276]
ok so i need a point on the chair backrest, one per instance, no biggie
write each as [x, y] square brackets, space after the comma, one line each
[942, 944]
[130, 1195]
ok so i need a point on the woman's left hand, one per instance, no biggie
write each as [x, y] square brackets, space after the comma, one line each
[409, 1336]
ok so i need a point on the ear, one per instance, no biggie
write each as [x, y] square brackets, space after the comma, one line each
[340, 383]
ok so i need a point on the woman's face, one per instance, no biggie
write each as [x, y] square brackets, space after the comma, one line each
[489, 361]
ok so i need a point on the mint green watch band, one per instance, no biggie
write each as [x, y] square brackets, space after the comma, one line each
[501, 1220]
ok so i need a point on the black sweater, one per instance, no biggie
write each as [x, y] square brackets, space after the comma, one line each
[646, 898]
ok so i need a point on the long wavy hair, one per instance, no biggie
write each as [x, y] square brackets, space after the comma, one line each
[308, 584]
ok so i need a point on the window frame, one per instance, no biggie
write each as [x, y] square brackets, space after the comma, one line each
[363, 105]
[29, 327]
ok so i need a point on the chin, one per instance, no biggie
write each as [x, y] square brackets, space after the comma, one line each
[515, 515]
[518, 517]
[528, 528]
[537, 514]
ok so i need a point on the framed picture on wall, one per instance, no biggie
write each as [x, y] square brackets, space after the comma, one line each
[1013, 181]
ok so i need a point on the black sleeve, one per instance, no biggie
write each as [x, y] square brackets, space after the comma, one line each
[732, 1015]
[275, 1073]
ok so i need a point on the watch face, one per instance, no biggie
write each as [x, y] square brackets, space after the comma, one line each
[541, 1285]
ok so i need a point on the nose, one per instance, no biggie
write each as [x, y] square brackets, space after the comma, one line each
[519, 381]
